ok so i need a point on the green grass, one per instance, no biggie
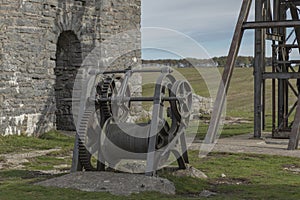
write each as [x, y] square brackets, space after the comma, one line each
[46, 141]
[227, 130]
[248, 176]
[240, 96]
[232, 130]
[46, 162]
[261, 177]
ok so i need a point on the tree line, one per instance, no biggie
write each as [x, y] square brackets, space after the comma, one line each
[242, 61]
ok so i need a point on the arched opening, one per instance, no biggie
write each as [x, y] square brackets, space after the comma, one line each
[68, 61]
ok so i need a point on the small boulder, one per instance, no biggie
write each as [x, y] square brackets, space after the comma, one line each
[190, 172]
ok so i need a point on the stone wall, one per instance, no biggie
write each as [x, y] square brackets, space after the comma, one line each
[42, 45]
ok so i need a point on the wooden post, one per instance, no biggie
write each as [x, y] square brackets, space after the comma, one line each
[294, 136]
[228, 70]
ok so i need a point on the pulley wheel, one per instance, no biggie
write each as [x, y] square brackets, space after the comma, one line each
[120, 107]
[182, 108]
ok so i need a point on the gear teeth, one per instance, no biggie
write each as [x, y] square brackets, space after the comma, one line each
[84, 154]
[104, 90]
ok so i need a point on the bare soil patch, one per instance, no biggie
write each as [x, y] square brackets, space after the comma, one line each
[247, 144]
[16, 161]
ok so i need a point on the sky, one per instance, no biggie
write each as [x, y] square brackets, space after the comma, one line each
[177, 23]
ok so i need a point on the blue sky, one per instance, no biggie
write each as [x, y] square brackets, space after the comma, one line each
[209, 22]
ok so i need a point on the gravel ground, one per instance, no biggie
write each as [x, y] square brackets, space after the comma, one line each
[247, 144]
[115, 183]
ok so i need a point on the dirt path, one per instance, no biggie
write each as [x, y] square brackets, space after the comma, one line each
[237, 144]
[16, 161]
[246, 144]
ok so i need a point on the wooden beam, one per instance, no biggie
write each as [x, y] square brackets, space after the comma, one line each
[295, 16]
[259, 68]
[271, 24]
[227, 74]
[281, 75]
[294, 137]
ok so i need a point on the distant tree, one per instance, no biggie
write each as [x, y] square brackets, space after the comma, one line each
[220, 61]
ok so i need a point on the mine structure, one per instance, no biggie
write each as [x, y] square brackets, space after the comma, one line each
[276, 23]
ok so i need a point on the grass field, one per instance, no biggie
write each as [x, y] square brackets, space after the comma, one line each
[240, 98]
[230, 176]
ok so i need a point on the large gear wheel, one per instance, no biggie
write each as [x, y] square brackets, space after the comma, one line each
[93, 120]
[89, 132]
[106, 89]
[91, 124]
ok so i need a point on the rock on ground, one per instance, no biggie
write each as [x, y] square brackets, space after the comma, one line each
[190, 171]
[207, 194]
[115, 183]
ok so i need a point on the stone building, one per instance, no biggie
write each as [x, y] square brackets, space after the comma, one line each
[43, 43]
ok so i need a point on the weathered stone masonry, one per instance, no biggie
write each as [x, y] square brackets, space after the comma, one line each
[42, 45]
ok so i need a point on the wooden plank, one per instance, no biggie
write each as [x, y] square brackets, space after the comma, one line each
[288, 62]
[294, 137]
[295, 16]
[281, 75]
[259, 68]
[274, 37]
[289, 45]
[227, 74]
[295, 2]
[271, 24]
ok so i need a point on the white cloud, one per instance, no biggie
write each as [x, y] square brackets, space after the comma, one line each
[190, 14]
[207, 21]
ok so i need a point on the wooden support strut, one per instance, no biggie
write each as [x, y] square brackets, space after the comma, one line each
[295, 133]
[259, 67]
[228, 70]
[295, 16]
